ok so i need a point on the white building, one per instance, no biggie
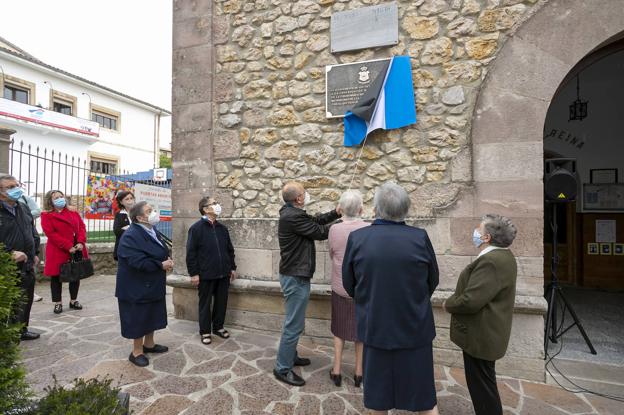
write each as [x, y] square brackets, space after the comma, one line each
[53, 109]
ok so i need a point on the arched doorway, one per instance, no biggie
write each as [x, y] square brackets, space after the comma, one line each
[509, 118]
[591, 229]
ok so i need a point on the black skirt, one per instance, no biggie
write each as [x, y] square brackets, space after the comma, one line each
[399, 379]
[343, 317]
[139, 319]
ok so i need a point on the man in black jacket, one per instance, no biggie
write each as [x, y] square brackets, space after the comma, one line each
[20, 238]
[210, 263]
[297, 232]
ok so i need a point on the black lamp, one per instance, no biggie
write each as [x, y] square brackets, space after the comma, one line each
[578, 109]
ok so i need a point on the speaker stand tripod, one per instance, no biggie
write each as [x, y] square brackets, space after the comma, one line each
[555, 296]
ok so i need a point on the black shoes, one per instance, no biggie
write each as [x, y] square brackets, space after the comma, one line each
[58, 308]
[357, 380]
[29, 335]
[158, 348]
[75, 305]
[301, 361]
[337, 379]
[290, 378]
[140, 360]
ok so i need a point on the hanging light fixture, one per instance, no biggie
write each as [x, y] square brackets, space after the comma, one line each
[578, 109]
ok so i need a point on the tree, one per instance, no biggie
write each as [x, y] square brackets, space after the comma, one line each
[165, 161]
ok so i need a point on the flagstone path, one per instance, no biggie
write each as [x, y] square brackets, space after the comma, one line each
[234, 376]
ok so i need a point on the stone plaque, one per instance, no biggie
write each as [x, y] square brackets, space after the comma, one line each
[366, 27]
[346, 83]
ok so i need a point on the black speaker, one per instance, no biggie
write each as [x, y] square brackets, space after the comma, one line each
[560, 184]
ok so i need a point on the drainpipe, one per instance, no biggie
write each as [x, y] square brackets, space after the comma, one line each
[157, 140]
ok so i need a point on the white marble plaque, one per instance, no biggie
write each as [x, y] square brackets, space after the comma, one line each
[366, 27]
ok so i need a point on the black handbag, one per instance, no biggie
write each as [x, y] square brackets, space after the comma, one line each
[77, 268]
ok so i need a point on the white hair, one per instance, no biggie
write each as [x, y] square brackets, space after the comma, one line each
[391, 202]
[351, 203]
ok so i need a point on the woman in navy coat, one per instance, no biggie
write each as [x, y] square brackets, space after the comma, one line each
[390, 270]
[141, 276]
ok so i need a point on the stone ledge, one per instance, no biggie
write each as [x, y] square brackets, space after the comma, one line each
[524, 304]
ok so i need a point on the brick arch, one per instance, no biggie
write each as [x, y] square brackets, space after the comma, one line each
[508, 119]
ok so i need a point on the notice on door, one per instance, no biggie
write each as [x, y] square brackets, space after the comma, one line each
[605, 230]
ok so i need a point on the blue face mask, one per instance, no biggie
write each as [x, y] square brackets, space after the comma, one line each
[476, 238]
[15, 193]
[59, 203]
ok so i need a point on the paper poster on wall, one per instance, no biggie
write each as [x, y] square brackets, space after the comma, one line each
[101, 191]
[605, 230]
[158, 197]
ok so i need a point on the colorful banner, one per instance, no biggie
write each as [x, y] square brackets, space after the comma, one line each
[158, 197]
[101, 191]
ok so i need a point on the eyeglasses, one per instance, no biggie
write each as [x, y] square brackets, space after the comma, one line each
[210, 204]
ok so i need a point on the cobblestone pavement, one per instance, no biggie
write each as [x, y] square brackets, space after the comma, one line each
[233, 376]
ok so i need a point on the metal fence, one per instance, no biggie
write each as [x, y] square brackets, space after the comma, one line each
[41, 170]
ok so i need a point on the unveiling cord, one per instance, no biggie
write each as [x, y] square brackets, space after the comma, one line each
[357, 162]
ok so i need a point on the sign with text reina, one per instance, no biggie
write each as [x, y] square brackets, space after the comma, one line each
[35, 115]
[158, 197]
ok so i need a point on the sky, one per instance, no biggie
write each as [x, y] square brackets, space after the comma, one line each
[122, 44]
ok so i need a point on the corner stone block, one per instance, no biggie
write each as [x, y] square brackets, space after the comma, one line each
[192, 117]
[255, 263]
[195, 31]
[192, 89]
[187, 9]
[517, 66]
[510, 198]
[193, 61]
[439, 233]
[501, 117]
[509, 161]
[450, 267]
[192, 146]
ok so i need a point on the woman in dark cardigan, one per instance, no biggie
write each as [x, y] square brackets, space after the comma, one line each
[125, 201]
[141, 276]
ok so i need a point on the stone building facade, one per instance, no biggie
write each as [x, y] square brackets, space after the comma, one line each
[249, 115]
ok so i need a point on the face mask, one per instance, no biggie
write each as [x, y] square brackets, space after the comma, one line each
[216, 209]
[476, 238]
[15, 193]
[306, 200]
[60, 202]
[153, 218]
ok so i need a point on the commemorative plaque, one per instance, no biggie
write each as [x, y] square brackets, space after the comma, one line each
[346, 83]
[366, 27]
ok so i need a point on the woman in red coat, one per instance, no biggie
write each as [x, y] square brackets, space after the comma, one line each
[66, 234]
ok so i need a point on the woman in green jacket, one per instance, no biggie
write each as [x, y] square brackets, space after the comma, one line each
[482, 309]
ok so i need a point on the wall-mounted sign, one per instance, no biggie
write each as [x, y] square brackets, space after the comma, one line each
[30, 114]
[346, 83]
[158, 197]
[565, 137]
[366, 27]
[607, 197]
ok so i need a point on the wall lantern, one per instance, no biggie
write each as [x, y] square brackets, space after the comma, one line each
[578, 109]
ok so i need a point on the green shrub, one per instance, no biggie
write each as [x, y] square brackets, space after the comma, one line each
[14, 391]
[86, 397]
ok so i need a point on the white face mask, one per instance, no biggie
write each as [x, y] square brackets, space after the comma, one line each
[153, 218]
[306, 199]
[216, 209]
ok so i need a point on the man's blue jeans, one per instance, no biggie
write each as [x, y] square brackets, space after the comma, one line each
[296, 292]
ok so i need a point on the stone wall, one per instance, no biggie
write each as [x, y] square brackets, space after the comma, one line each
[249, 115]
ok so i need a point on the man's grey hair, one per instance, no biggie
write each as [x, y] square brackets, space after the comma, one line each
[391, 202]
[7, 177]
[351, 203]
[137, 210]
[500, 228]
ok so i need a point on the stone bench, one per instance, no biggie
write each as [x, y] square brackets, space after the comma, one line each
[258, 305]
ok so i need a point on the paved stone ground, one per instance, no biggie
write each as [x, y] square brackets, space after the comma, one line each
[233, 376]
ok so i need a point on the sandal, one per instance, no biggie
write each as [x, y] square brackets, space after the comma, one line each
[205, 339]
[223, 333]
